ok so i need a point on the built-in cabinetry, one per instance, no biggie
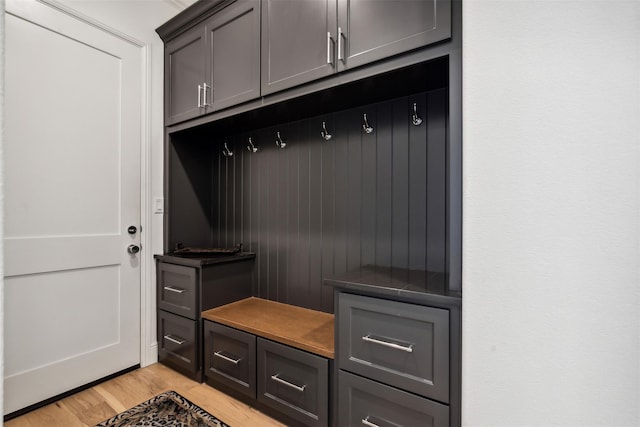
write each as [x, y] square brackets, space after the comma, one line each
[303, 41]
[336, 145]
[275, 356]
[186, 287]
[245, 49]
[397, 349]
[215, 64]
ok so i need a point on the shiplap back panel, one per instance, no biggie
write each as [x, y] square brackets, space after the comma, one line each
[317, 208]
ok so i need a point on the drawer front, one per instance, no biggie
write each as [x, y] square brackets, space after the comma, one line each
[230, 357]
[400, 344]
[363, 402]
[177, 340]
[293, 382]
[177, 290]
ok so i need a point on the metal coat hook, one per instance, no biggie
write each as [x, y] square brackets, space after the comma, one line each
[279, 142]
[326, 135]
[252, 148]
[365, 125]
[226, 151]
[415, 119]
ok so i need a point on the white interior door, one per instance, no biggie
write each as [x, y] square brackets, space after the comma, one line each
[73, 108]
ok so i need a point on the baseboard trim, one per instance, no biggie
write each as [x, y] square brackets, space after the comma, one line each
[60, 396]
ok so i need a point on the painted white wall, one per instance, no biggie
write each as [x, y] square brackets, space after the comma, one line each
[1, 204]
[551, 258]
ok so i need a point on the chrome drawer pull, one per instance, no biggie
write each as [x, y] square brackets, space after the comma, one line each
[174, 340]
[176, 290]
[368, 423]
[408, 349]
[228, 359]
[277, 378]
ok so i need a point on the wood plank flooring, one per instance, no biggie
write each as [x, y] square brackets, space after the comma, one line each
[107, 399]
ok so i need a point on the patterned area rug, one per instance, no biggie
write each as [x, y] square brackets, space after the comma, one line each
[166, 409]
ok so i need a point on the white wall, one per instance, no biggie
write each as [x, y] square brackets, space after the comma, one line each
[551, 258]
[1, 204]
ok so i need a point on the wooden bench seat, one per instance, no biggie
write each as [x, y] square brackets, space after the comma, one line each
[298, 327]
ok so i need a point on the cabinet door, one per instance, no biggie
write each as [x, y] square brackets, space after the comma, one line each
[298, 42]
[184, 76]
[233, 55]
[230, 358]
[373, 30]
[365, 402]
[293, 382]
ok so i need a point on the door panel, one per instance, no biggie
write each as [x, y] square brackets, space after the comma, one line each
[374, 30]
[72, 187]
[295, 48]
[185, 76]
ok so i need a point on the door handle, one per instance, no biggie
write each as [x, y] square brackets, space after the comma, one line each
[133, 249]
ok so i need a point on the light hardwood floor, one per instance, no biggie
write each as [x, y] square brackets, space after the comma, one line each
[100, 402]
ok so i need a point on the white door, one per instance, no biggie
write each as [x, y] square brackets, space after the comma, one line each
[73, 114]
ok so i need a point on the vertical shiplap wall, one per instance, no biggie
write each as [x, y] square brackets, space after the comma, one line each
[317, 208]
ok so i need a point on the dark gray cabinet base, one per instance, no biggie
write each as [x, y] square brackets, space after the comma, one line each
[185, 288]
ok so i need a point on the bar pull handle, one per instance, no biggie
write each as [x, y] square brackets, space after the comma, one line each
[379, 341]
[227, 358]
[368, 423]
[340, 47]
[277, 378]
[176, 290]
[329, 43]
[204, 101]
[174, 340]
[199, 96]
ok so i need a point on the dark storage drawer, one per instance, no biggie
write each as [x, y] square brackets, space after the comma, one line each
[177, 341]
[400, 344]
[177, 290]
[230, 358]
[363, 402]
[293, 382]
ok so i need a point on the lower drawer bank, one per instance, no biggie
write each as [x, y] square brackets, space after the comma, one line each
[273, 356]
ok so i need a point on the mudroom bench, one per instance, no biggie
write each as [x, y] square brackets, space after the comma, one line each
[273, 356]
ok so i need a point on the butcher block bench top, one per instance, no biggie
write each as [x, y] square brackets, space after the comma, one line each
[297, 327]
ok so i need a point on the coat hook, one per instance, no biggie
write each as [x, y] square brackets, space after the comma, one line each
[226, 151]
[415, 119]
[326, 135]
[365, 125]
[279, 142]
[252, 148]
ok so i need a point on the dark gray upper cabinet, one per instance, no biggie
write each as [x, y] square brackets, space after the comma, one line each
[373, 30]
[233, 55]
[184, 76]
[307, 40]
[298, 42]
[215, 64]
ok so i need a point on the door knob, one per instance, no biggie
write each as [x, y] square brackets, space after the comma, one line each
[133, 249]
[132, 229]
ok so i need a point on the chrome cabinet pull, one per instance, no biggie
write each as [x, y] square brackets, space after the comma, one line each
[227, 358]
[277, 378]
[199, 96]
[204, 102]
[176, 290]
[340, 36]
[368, 423]
[377, 340]
[174, 340]
[329, 43]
